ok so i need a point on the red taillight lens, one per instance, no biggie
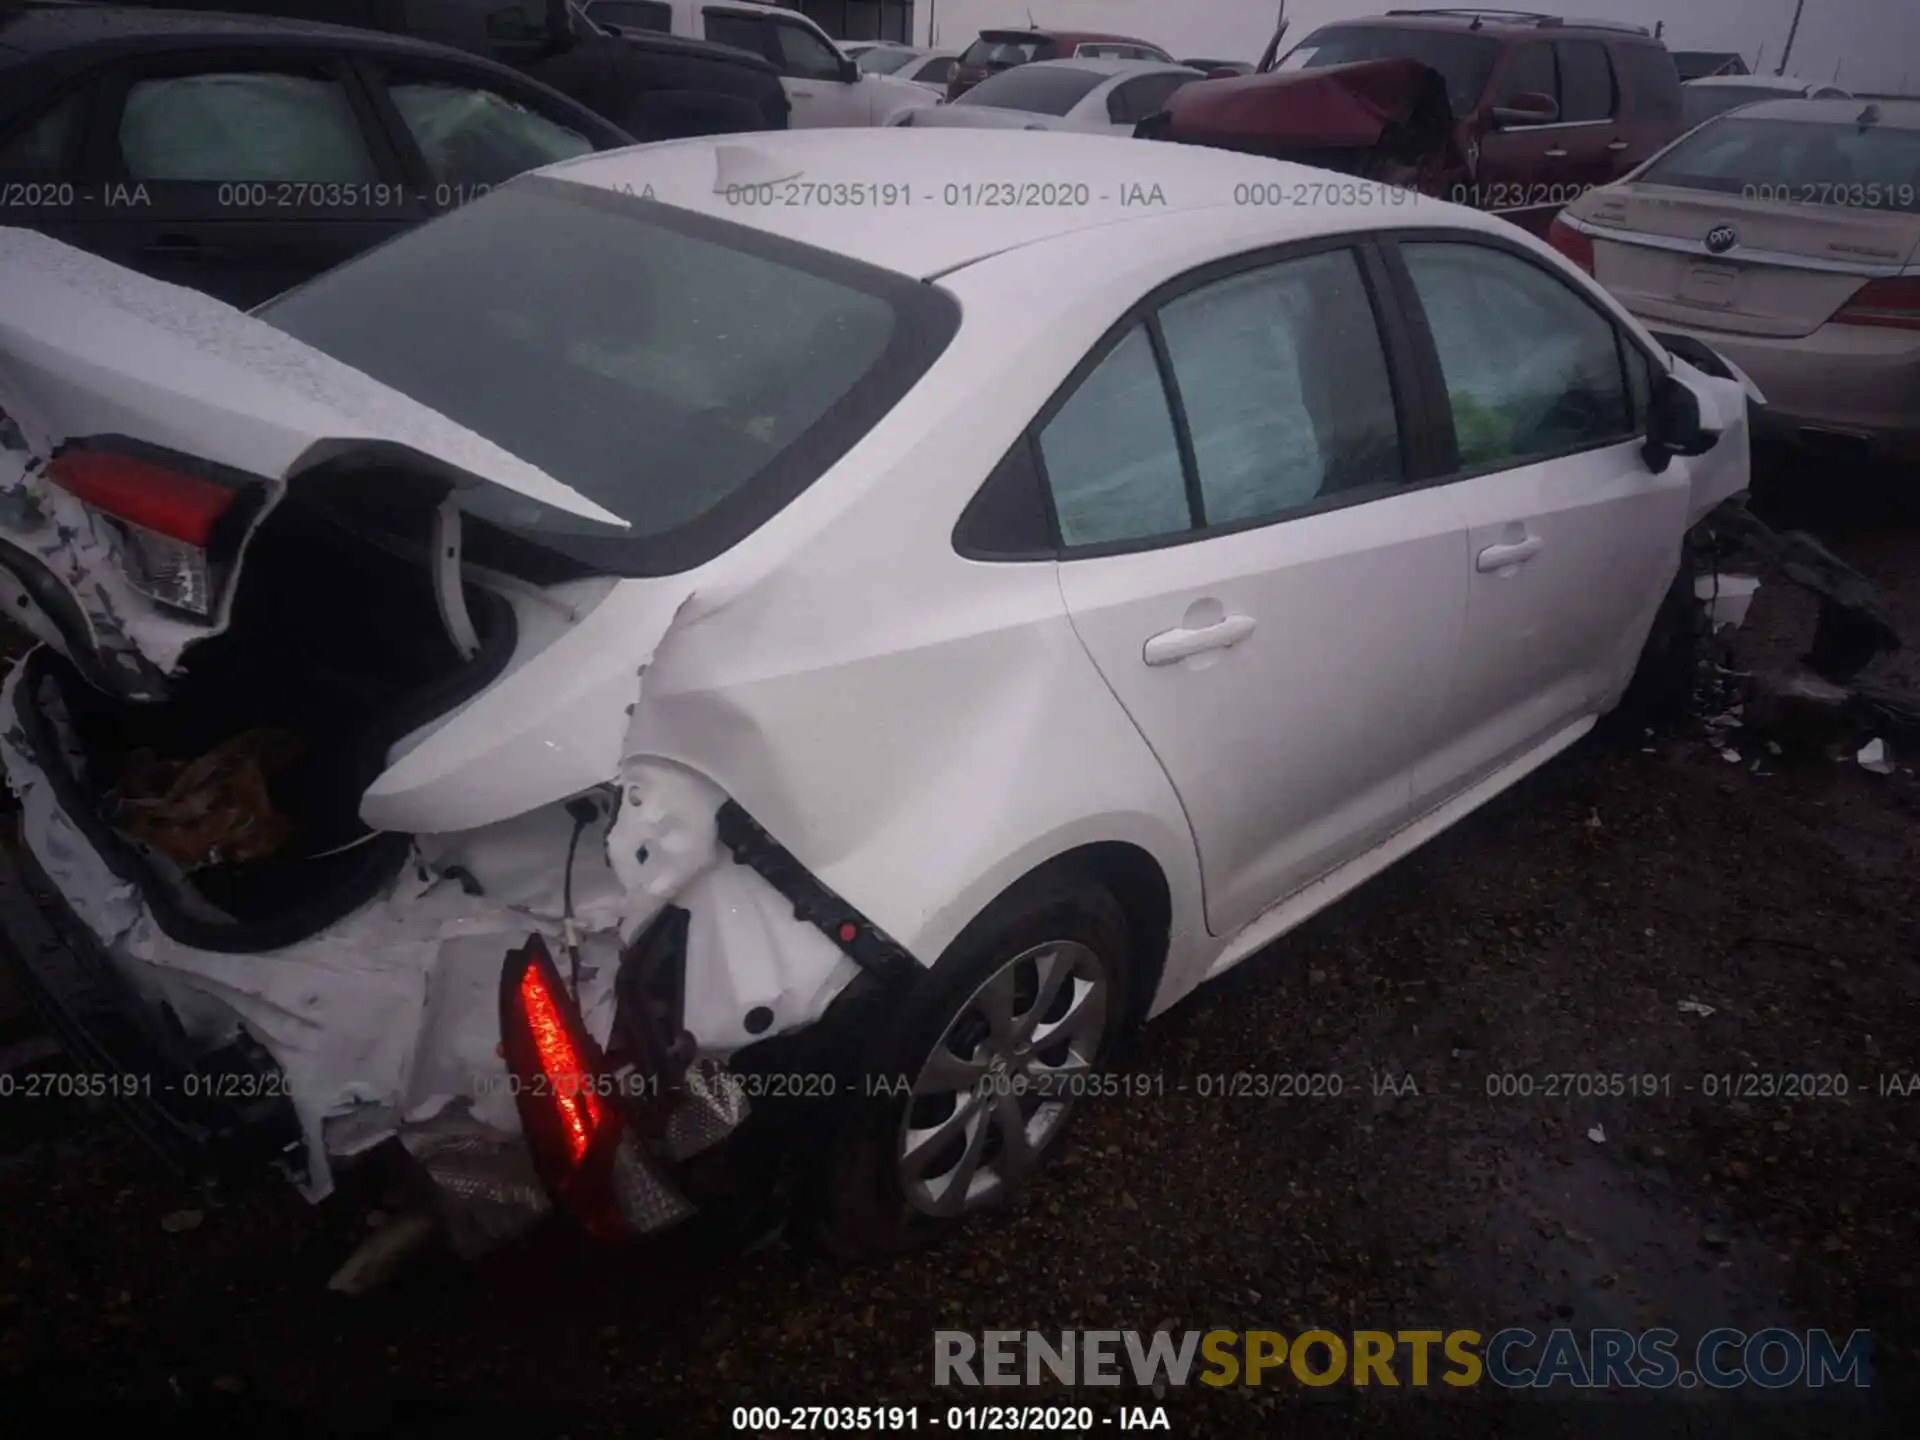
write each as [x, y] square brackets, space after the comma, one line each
[181, 507]
[1571, 243]
[572, 1126]
[1894, 303]
[166, 520]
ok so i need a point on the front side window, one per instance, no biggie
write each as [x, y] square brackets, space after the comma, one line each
[1529, 71]
[473, 136]
[43, 144]
[1586, 81]
[242, 125]
[803, 54]
[1283, 380]
[1531, 369]
[676, 369]
[1111, 455]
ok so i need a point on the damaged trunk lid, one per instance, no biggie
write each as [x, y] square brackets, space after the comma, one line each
[147, 430]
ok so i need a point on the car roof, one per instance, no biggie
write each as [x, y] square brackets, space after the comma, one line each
[1498, 24]
[933, 232]
[1891, 114]
[37, 29]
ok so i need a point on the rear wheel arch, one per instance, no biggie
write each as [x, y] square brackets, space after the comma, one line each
[1138, 885]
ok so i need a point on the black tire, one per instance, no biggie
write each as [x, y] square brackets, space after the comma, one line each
[861, 1207]
[1660, 695]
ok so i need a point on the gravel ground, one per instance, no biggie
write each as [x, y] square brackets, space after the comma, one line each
[1558, 930]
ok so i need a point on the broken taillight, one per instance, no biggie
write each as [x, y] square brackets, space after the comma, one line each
[166, 521]
[560, 1086]
[1571, 243]
[1894, 303]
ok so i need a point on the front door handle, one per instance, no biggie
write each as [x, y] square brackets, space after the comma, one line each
[1617, 146]
[1557, 153]
[1170, 647]
[1499, 557]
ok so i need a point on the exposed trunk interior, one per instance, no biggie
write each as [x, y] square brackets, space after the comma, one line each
[336, 649]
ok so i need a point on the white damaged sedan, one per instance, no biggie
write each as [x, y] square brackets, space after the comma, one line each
[618, 672]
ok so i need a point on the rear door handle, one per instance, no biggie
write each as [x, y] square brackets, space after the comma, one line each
[1557, 153]
[1499, 557]
[1617, 146]
[1172, 646]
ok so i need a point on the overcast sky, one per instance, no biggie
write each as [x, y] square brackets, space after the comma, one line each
[1873, 42]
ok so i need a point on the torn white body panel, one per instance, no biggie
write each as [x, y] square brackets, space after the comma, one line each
[1727, 469]
[392, 1015]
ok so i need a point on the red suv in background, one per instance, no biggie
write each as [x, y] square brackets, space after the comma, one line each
[997, 50]
[1543, 109]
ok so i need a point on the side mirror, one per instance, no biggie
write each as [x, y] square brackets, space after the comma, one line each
[1530, 107]
[850, 71]
[1674, 426]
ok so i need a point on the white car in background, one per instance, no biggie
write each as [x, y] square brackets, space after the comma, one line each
[930, 69]
[824, 85]
[1711, 95]
[557, 730]
[1096, 96]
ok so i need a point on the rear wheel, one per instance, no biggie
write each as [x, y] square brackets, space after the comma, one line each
[971, 1086]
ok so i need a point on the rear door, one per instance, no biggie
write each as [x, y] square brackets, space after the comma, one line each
[1650, 102]
[809, 66]
[1591, 137]
[1275, 607]
[239, 173]
[1514, 171]
[1571, 538]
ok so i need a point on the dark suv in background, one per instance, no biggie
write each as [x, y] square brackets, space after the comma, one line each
[1543, 109]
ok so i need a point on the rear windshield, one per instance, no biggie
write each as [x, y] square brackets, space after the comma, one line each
[1805, 161]
[1037, 89]
[1464, 60]
[689, 374]
[883, 59]
[994, 51]
[1700, 103]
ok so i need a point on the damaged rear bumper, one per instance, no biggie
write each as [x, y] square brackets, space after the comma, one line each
[227, 1114]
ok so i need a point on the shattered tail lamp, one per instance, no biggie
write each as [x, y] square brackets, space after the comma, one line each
[571, 1130]
[568, 1082]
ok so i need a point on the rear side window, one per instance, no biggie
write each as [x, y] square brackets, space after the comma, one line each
[1137, 99]
[1037, 89]
[1807, 162]
[473, 136]
[743, 32]
[1529, 71]
[44, 143]
[242, 126]
[992, 51]
[689, 374]
[1586, 81]
[1283, 381]
[1652, 81]
[655, 15]
[1111, 454]
[1531, 369]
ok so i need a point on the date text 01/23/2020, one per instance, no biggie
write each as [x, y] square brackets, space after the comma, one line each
[957, 1419]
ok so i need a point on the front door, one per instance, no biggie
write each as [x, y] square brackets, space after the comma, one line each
[1571, 538]
[1275, 608]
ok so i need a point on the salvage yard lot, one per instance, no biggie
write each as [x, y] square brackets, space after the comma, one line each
[1556, 931]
